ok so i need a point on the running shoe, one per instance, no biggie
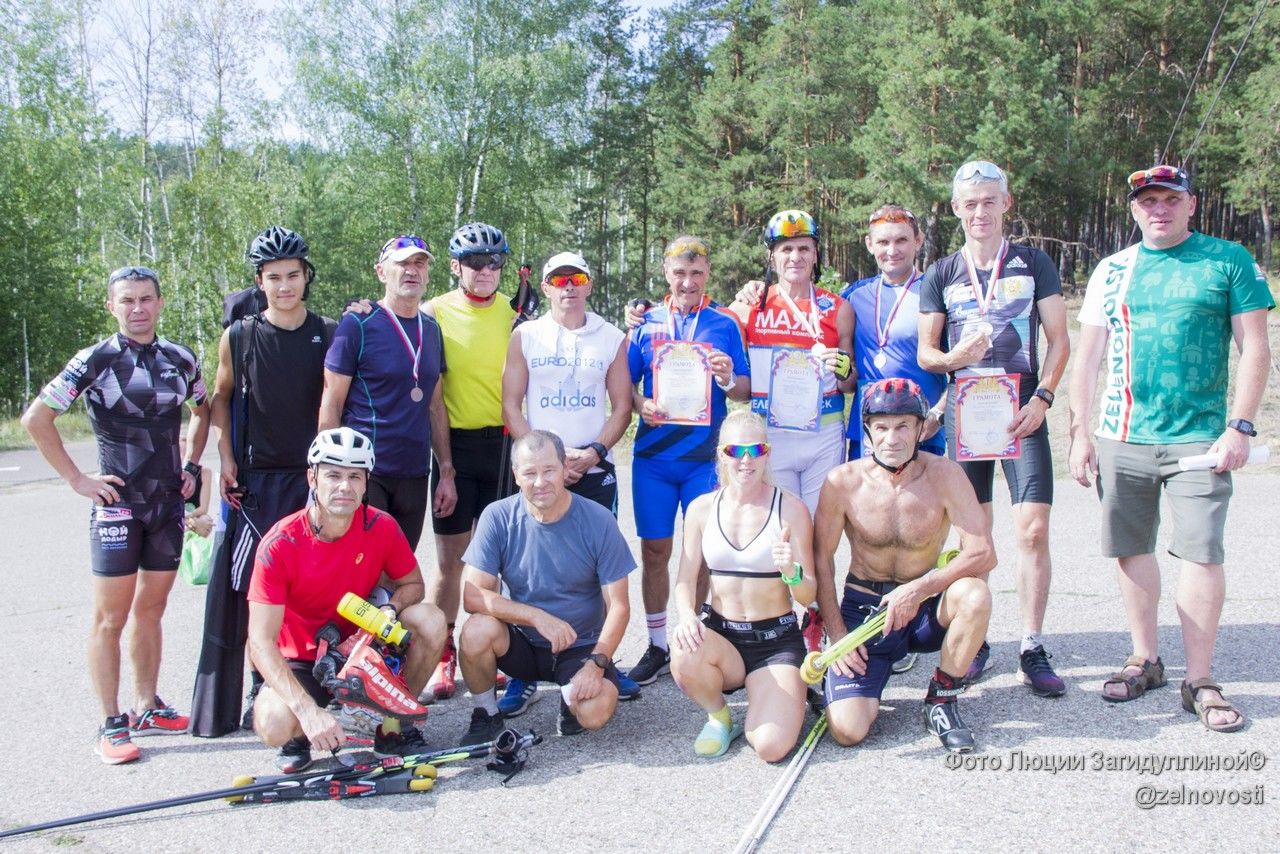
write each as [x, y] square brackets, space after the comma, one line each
[902, 665]
[517, 699]
[162, 720]
[981, 664]
[1035, 672]
[407, 742]
[484, 727]
[246, 721]
[294, 755]
[655, 662]
[443, 682]
[627, 688]
[943, 720]
[715, 738]
[113, 745]
[568, 723]
[813, 630]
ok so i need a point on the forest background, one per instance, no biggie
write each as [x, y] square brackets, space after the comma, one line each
[141, 132]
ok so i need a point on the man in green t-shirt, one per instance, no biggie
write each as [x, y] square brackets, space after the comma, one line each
[1158, 318]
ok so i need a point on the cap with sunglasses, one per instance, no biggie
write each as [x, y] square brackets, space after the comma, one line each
[404, 247]
[1170, 177]
[565, 261]
[133, 273]
[981, 170]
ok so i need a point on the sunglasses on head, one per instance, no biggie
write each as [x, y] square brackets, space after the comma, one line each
[891, 213]
[133, 273]
[484, 261]
[976, 168]
[403, 241]
[564, 280]
[686, 247]
[756, 449]
[1168, 174]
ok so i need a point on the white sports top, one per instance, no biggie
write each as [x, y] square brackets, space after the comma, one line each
[755, 559]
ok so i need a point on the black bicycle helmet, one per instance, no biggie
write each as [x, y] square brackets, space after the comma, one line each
[476, 238]
[894, 397]
[276, 244]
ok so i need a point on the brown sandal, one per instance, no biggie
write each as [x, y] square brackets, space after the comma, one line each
[1152, 676]
[1201, 708]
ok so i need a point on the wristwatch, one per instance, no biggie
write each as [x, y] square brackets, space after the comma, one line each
[599, 659]
[193, 468]
[599, 449]
[1045, 395]
[1245, 427]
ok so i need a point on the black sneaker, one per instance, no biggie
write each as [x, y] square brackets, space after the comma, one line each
[568, 724]
[655, 662]
[407, 742]
[943, 720]
[484, 727]
[981, 664]
[294, 755]
[1035, 671]
[246, 721]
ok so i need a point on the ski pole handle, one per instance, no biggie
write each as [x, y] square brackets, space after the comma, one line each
[374, 620]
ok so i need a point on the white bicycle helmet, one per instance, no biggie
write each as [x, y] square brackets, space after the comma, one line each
[341, 446]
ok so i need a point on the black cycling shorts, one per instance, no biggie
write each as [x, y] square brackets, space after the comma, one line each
[753, 642]
[124, 538]
[482, 475]
[523, 660]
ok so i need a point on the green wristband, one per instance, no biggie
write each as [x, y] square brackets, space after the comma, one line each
[793, 580]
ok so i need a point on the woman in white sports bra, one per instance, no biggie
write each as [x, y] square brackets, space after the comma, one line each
[756, 540]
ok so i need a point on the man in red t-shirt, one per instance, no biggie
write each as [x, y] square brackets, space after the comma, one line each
[306, 563]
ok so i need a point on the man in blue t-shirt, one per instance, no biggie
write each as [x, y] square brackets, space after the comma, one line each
[381, 378]
[886, 334]
[564, 564]
[674, 463]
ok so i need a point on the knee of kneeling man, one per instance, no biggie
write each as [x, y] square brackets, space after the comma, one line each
[848, 733]
[424, 620]
[971, 595]
[479, 632]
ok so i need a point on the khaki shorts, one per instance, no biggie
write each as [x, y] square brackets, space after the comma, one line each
[1130, 477]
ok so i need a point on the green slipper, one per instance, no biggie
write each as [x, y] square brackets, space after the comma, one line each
[715, 739]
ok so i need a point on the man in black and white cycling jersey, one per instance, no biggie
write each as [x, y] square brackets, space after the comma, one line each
[134, 384]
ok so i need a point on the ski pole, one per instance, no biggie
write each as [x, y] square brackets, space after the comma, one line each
[778, 795]
[507, 745]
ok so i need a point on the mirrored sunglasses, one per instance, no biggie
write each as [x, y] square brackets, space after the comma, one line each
[564, 280]
[133, 273]
[757, 449]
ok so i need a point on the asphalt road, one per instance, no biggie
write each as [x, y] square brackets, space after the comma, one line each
[637, 785]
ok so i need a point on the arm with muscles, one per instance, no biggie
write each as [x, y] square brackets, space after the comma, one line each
[38, 421]
[407, 590]
[333, 399]
[1053, 319]
[481, 594]
[1082, 457]
[446, 490]
[1249, 329]
[688, 634]
[320, 727]
[197, 436]
[515, 382]
[589, 679]
[929, 353]
[793, 553]
[828, 527]
[977, 552]
[220, 417]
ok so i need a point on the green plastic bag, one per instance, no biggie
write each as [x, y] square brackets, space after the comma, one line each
[197, 558]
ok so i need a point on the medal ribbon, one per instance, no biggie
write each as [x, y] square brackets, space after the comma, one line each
[671, 317]
[882, 331]
[810, 322]
[984, 300]
[414, 354]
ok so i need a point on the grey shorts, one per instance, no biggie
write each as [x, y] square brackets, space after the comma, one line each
[1130, 478]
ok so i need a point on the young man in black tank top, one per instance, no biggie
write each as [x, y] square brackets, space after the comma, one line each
[266, 403]
[897, 507]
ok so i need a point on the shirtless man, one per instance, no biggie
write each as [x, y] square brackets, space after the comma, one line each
[897, 508]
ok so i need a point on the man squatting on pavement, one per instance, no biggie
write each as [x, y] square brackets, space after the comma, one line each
[134, 384]
[1162, 314]
[306, 564]
[897, 507]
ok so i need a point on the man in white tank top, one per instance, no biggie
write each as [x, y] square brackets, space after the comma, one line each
[561, 369]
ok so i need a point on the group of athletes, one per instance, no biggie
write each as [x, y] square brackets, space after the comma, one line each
[337, 439]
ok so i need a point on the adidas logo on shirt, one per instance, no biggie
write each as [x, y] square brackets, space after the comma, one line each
[1016, 264]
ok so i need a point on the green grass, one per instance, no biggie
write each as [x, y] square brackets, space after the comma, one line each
[73, 426]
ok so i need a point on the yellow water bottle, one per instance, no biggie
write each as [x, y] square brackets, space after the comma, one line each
[373, 619]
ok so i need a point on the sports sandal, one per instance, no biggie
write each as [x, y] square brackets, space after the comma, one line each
[715, 739]
[1152, 676]
[1201, 708]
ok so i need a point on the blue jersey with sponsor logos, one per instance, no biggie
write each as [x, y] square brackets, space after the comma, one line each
[1026, 277]
[708, 324]
[377, 351]
[567, 392]
[901, 334]
[134, 394]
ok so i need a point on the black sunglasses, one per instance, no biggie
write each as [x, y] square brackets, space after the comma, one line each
[133, 273]
[484, 261]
